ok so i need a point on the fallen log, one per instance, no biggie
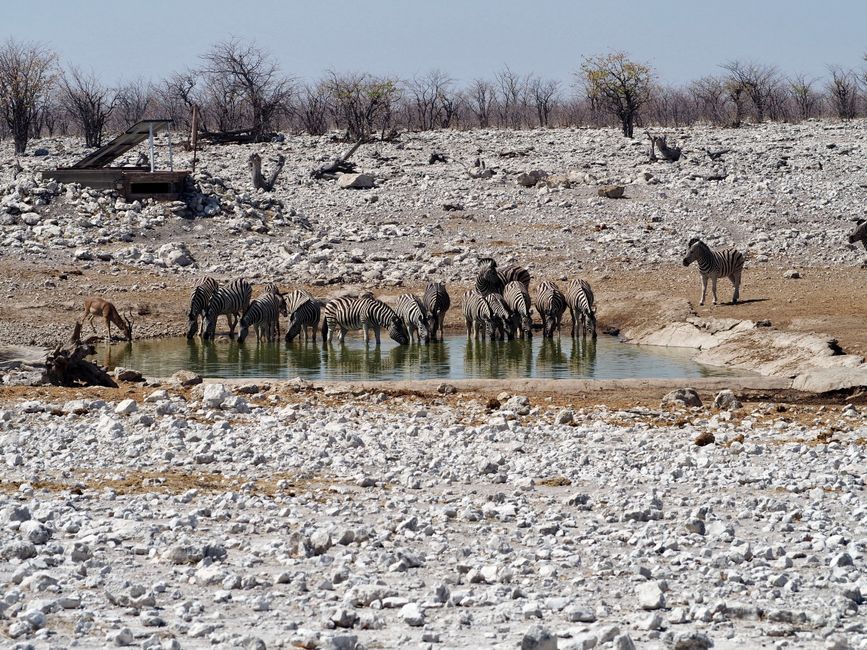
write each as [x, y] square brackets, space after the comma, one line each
[339, 165]
[67, 366]
[671, 154]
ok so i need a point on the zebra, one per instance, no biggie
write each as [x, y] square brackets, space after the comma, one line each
[728, 263]
[488, 280]
[231, 301]
[502, 317]
[860, 233]
[477, 314]
[551, 304]
[414, 315]
[518, 300]
[437, 302]
[579, 299]
[348, 313]
[273, 289]
[262, 313]
[205, 288]
[304, 314]
[514, 273]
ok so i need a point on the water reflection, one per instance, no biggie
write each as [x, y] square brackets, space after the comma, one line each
[457, 357]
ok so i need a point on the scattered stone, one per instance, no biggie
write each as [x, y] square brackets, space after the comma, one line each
[792, 275]
[538, 638]
[611, 191]
[650, 595]
[704, 438]
[186, 378]
[682, 397]
[355, 181]
[725, 400]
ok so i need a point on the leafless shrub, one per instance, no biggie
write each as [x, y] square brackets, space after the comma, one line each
[843, 93]
[431, 101]
[805, 98]
[481, 99]
[544, 95]
[755, 81]
[511, 91]
[89, 103]
[27, 73]
[312, 110]
[134, 99]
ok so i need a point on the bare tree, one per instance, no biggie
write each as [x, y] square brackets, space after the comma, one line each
[618, 86]
[27, 72]
[757, 82]
[430, 95]
[481, 98]
[544, 95]
[313, 108]
[134, 98]
[254, 75]
[709, 94]
[805, 98]
[361, 103]
[511, 97]
[88, 102]
[843, 92]
[176, 97]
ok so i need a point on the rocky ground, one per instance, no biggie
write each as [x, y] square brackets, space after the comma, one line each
[158, 515]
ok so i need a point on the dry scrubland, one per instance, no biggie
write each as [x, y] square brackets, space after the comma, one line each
[290, 515]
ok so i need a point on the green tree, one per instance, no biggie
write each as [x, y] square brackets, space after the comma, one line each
[617, 86]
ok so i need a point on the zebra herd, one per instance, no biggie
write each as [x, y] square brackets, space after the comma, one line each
[499, 306]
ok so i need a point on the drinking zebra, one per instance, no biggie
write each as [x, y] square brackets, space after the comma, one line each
[205, 288]
[414, 315]
[262, 313]
[518, 300]
[477, 314]
[273, 289]
[349, 313]
[502, 317]
[551, 304]
[860, 233]
[437, 302]
[230, 301]
[305, 314]
[728, 263]
[579, 299]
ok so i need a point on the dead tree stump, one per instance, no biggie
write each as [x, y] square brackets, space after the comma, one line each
[69, 367]
[259, 183]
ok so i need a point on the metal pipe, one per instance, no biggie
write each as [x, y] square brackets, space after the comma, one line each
[151, 143]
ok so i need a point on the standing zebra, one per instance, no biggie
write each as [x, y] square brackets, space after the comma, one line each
[205, 288]
[349, 313]
[514, 273]
[860, 233]
[305, 314]
[518, 300]
[502, 317]
[262, 313]
[273, 289]
[414, 315]
[437, 302]
[488, 280]
[728, 263]
[477, 314]
[231, 301]
[551, 304]
[579, 299]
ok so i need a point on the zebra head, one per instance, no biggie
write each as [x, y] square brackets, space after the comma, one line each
[294, 328]
[193, 325]
[397, 331]
[860, 233]
[695, 244]
[487, 262]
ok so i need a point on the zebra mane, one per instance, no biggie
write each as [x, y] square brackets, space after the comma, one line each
[859, 221]
[487, 261]
[693, 242]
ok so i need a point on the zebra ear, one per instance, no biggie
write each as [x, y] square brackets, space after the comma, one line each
[859, 221]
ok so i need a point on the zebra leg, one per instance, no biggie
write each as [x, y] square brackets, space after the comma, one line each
[703, 289]
[574, 321]
[736, 281]
[713, 288]
[469, 328]
[376, 334]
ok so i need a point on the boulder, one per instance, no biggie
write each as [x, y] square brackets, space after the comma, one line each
[355, 181]
[682, 397]
[127, 374]
[175, 254]
[725, 400]
[531, 179]
[538, 638]
[186, 378]
[611, 191]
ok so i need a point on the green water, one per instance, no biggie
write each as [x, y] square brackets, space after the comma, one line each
[454, 358]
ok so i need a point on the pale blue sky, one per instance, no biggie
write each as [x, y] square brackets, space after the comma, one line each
[683, 40]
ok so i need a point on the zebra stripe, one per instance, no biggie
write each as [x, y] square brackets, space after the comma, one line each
[518, 300]
[551, 304]
[502, 317]
[414, 316]
[230, 301]
[488, 280]
[728, 263]
[477, 314]
[305, 314]
[205, 288]
[349, 313]
[514, 273]
[579, 299]
[262, 313]
[437, 302]
[860, 233]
